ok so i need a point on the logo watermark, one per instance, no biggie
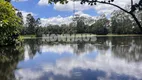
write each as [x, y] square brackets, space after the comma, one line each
[68, 37]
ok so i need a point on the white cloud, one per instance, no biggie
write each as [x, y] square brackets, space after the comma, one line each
[43, 2]
[56, 20]
[100, 8]
[82, 14]
[24, 13]
[63, 20]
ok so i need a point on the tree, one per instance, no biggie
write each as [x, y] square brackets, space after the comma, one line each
[121, 23]
[38, 22]
[100, 26]
[134, 7]
[80, 26]
[19, 14]
[5, 0]
[30, 24]
[9, 24]
[38, 29]
[8, 0]
[72, 28]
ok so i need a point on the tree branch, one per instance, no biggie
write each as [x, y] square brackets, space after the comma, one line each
[129, 12]
[102, 2]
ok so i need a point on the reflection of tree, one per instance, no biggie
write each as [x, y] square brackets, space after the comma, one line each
[34, 46]
[129, 48]
[9, 58]
[102, 43]
[121, 40]
[80, 48]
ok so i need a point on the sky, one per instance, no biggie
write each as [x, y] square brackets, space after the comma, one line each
[59, 13]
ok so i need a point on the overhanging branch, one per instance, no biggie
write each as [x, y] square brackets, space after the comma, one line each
[109, 3]
[102, 2]
[131, 13]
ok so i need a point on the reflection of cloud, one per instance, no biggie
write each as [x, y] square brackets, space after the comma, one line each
[74, 49]
[104, 62]
[60, 49]
[57, 49]
[26, 54]
[28, 74]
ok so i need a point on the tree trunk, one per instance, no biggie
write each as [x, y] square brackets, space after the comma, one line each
[138, 23]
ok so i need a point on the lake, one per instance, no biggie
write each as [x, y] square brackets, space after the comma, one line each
[107, 58]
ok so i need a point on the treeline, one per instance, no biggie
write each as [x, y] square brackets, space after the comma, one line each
[118, 23]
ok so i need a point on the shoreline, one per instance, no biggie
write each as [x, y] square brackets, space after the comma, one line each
[88, 35]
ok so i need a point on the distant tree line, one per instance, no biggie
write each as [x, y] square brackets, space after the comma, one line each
[118, 23]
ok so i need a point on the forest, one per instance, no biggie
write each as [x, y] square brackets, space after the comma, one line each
[118, 23]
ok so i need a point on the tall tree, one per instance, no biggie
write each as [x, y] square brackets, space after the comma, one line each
[80, 23]
[100, 26]
[38, 29]
[19, 14]
[38, 22]
[121, 23]
[30, 24]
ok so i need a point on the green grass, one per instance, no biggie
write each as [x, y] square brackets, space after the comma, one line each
[28, 36]
[108, 35]
[80, 35]
[121, 35]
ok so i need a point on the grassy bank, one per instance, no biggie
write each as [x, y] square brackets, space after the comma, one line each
[88, 35]
[28, 36]
[120, 35]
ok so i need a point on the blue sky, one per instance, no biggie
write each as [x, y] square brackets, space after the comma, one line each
[58, 13]
[46, 11]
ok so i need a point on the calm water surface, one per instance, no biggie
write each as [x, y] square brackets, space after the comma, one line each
[108, 58]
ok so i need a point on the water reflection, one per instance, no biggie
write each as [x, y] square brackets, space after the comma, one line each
[108, 58]
[129, 48]
[9, 58]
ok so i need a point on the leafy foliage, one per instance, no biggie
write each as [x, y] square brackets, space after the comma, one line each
[119, 23]
[122, 23]
[100, 26]
[30, 23]
[9, 24]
